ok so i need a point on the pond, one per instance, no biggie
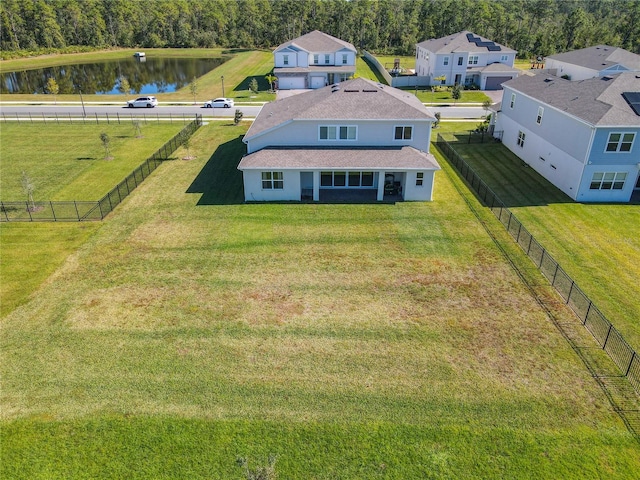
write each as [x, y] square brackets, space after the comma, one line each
[146, 75]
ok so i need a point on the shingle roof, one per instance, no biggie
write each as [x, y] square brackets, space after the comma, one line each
[317, 41]
[460, 42]
[357, 99]
[314, 158]
[600, 57]
[316, 68]
[598, 101]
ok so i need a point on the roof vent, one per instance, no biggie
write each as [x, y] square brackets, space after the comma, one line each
[606, 78]
[369, 90]
[351, 90]
[547, 80]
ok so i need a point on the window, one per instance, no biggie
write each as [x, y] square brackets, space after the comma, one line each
[344, 58]
[446, 60]
[513, 100]
[285, 59]
[339, 179]
[504, 58]
[326, 179]
[608, 180]
[316, 59]
[403, 133]
[342, 179]
[521, 136]
[419, 179]
[620, 142]
[539, 117]
[473, 59]
[460, 60]
[367, 179]
[272, 181]
[326, 59]
[338, 132]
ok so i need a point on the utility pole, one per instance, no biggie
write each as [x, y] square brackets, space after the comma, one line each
[222, 78]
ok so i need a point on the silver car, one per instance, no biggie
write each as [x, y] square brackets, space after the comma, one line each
[147, 102]
[219, 103]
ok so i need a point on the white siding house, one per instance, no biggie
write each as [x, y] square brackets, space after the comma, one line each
[358, 136]
[582, 136]
[313, 60]
[596, 61]
[465, 59]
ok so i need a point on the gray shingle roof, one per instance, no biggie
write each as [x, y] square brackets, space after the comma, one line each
[316, 68]
[600, 57]
[458, 42]
[317, 41]
[314, 158]
[597, 101]
[357, 99]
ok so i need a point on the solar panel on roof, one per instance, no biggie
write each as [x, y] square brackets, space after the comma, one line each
[633, 99]
[494, 48]
[470, 37]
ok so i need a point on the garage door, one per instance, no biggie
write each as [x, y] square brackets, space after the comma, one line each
[317, 82]
[288, 83]
[495, 83]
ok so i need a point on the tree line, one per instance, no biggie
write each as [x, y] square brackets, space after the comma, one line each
[532, 27]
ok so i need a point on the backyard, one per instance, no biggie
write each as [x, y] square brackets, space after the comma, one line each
[598, 245]
[351, 341]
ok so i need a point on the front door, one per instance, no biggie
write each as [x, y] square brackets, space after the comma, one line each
[458, 79]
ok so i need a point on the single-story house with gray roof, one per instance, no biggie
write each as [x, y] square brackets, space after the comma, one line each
[357, 136]
[596, 61]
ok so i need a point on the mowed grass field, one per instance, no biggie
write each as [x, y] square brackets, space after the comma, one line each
[69, 162]
[351, 341]
[598, 245]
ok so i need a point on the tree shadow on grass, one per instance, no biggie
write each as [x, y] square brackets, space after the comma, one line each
[220, 181]
[263, 85]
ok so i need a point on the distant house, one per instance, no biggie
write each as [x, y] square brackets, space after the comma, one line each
[313, 60]
[582, 136]
[591, 62]
[358, 137]
[465, 59]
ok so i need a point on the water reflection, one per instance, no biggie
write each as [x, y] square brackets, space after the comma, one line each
[147, 75]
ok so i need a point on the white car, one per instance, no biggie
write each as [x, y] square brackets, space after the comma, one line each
[219, 103]
[148, 102]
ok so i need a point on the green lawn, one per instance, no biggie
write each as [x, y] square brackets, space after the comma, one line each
[352, 341]
[68, 162]
[598, 245]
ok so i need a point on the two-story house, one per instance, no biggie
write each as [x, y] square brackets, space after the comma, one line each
[597, 61]
[582, 136]
[465, 59]
[358, 136]
[313, 60]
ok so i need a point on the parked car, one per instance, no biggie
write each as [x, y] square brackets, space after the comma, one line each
[143, 102]
[219, 103]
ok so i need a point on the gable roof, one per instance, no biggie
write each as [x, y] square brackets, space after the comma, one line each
[598, 101]
[317, 41]
[600, 57]
[357, 99]
[464, 41]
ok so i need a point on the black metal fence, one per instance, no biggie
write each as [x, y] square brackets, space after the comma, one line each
[75, 211]
[596, 323]
[60, 118]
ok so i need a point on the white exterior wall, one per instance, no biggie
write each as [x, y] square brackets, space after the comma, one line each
[372, 133]
[253, 191]
[423, 193]
[575, 72]
[558, 166]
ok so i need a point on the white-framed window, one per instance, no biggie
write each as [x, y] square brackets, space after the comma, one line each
[446, 60]
[403, 132]
[521, 137]
[285, 59]
[504, 58]
[608, 180]
[344, 58]
[343, 178]
[272, 180]
[620, 142]
[513, 100]
[460, 60]
[539, 117]
[360, 179]
[419, 179]
[326, 59]
[338, 132]
[473, 59]
[316, 58]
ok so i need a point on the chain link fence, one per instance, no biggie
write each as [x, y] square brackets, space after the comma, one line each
[75, 211]
[594, 321]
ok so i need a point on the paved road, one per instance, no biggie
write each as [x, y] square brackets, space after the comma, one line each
[36, 111]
